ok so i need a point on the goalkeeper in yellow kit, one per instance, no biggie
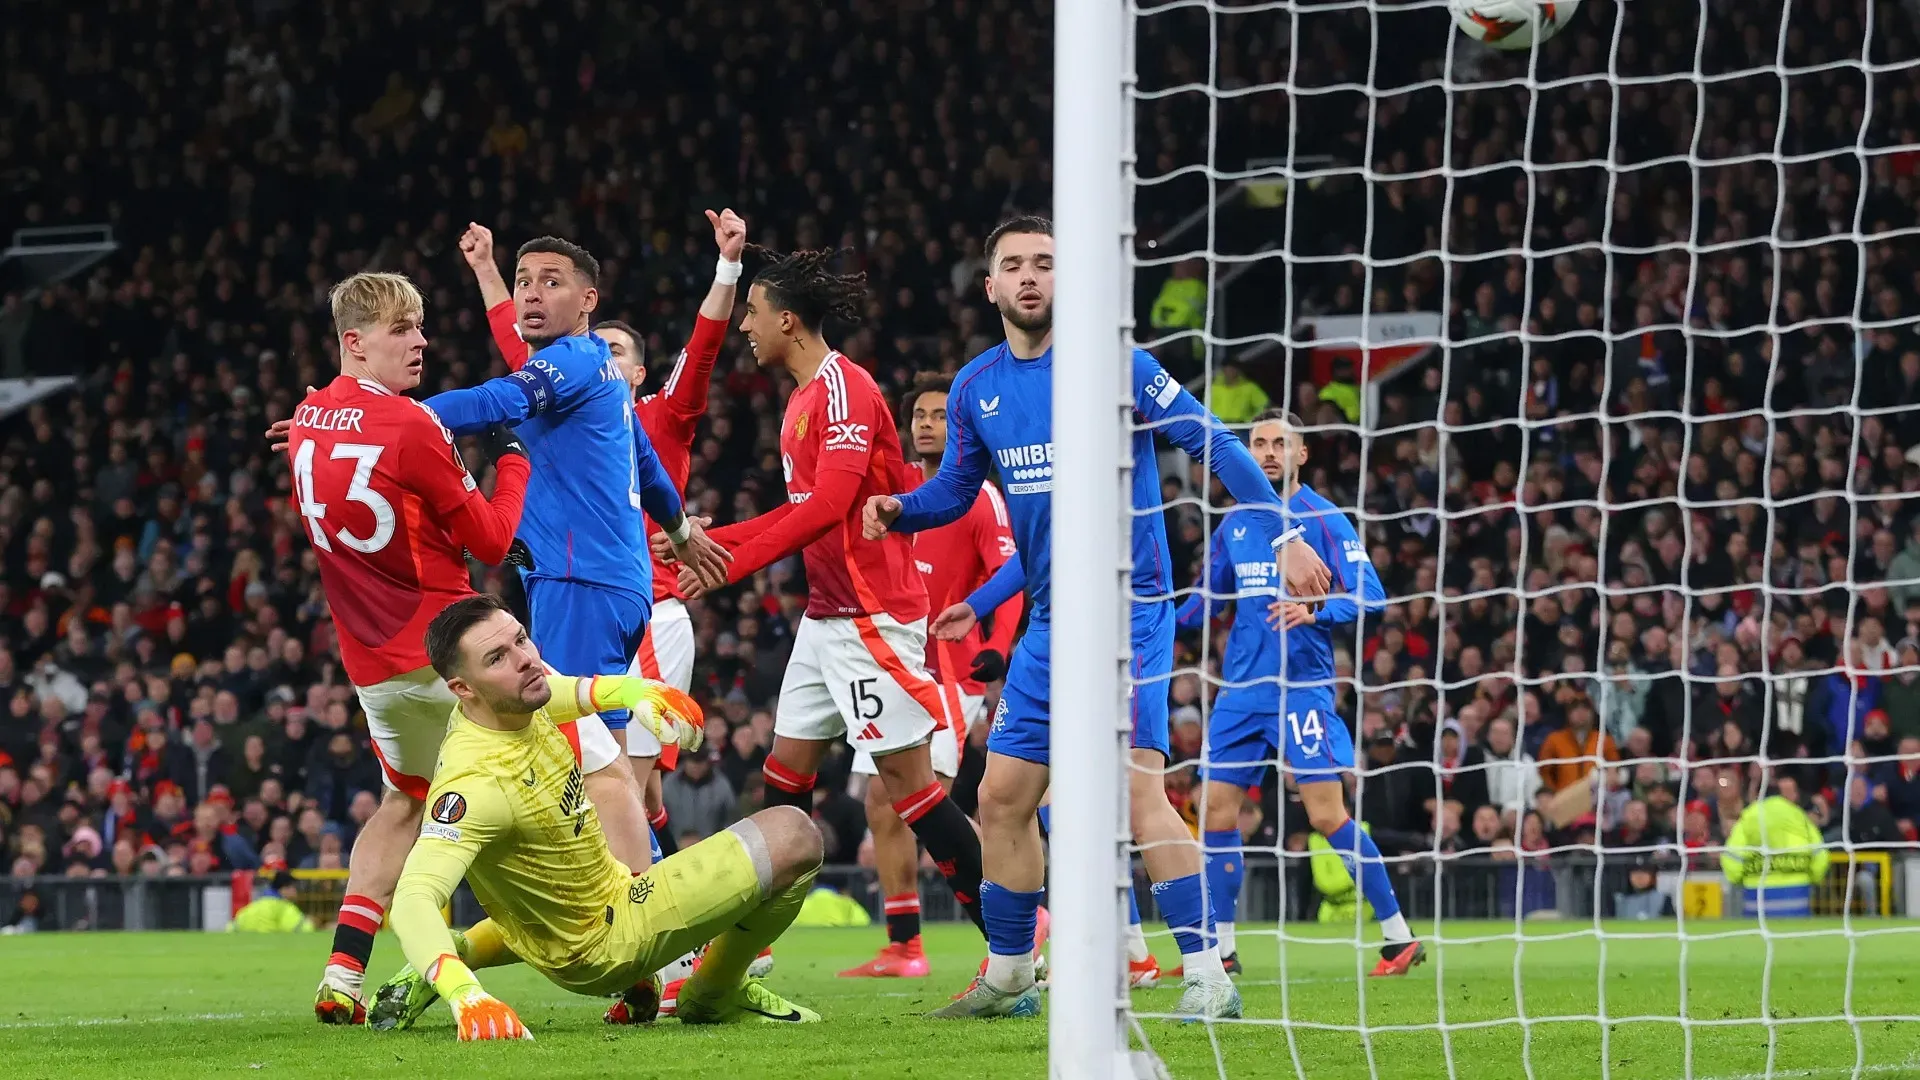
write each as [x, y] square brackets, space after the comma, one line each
[508, 812]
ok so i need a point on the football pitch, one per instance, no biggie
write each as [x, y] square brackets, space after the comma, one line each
[199, 1004]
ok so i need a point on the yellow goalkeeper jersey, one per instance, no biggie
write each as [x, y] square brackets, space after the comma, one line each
[508, 811]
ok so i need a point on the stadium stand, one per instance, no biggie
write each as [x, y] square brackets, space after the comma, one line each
[170, 695]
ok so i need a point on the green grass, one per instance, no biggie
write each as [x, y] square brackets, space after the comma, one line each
[188, 1005]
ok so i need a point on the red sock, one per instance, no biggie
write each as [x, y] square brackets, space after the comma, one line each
[786, 787]
[915, 806]
[360, 919]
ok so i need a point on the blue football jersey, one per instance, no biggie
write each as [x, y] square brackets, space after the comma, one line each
[1001, 413]
[594, 470]
[1241, 567]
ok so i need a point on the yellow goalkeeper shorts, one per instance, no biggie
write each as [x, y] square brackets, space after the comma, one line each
[679, 904]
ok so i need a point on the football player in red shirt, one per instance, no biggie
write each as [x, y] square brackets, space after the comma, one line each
[857, 670]
[953, 560]
[671, 416]
[388, 507]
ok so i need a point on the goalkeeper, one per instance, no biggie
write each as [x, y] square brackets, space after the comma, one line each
[508, 811]
[1776, 855]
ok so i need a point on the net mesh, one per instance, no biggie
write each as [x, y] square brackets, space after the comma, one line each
[1608, 350]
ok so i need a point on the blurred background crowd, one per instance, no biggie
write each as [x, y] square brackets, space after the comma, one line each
[1665, 517]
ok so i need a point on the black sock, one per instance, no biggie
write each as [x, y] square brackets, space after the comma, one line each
[950, 839]
[903, 917]
[668, 845]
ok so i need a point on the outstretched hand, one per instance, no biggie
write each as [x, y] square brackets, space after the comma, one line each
[878, 516]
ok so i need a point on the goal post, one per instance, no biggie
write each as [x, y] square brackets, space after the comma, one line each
[1593, 341]
[1092, 466]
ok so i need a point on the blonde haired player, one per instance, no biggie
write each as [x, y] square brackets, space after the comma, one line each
[510, 815]
[388, 506]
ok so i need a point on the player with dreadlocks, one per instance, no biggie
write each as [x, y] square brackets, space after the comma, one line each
[858, 667]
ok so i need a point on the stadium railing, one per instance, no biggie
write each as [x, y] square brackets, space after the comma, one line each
[1568, 884]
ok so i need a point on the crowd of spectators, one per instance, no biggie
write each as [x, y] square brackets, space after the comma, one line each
[1668, 446]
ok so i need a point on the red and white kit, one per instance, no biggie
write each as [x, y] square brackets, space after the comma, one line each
[858, 666]
[388, 506]
[954, 560]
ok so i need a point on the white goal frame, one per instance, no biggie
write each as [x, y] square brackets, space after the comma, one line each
[1092, 470]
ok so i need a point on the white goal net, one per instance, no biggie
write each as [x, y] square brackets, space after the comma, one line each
[1608, 350]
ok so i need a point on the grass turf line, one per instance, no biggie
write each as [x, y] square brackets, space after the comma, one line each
[195, 1004]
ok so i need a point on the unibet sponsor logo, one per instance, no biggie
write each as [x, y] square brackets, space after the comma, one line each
[1028, 469]
[573, 801]
[1254, 573]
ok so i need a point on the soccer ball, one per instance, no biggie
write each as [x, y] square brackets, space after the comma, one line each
[1512, 24]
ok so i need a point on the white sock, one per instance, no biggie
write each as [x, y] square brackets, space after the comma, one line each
[1137, 952]
[1204, 965]
[1010, 974]
[1223, 931]
[1395, 929]
[345, 978]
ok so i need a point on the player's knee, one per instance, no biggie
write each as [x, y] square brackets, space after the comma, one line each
[792, 843]
[1223, 809]
[1326, 821]
[878, 805]
[1000, 817]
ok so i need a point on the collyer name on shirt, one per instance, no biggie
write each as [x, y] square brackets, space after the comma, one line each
[319, 419]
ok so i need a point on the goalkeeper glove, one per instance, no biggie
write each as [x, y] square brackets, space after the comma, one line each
[477, 1015]
[518, 554]
[501, 441]
[669, 714]
[988, 666]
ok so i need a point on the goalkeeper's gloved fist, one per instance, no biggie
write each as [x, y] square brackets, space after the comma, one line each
[501, 441]
[518, 554]
[988, 666]
[478, 1015]
[667, 712]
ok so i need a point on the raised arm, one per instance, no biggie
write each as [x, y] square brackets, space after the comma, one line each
[476, 246]
[1187, 424]
[685, 390]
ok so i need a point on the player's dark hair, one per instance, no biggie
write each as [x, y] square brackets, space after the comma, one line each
[1286, 416]
[924, 382]
[583, 261]
[453, 622]
[639, 342]
[1019, 224]
[803, 283]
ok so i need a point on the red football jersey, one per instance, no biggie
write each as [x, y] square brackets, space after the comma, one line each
[954, 560]
[839, 422]
[388, 506]
[670, 415]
